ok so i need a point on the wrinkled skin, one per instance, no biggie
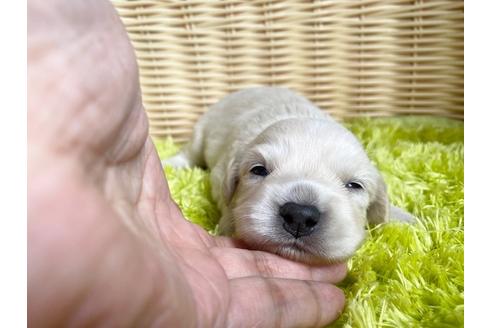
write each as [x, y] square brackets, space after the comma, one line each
[107, 245]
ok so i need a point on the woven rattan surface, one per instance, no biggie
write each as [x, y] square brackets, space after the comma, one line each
[351, 58]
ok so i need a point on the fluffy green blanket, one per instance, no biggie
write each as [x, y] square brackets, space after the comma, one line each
[404, 275]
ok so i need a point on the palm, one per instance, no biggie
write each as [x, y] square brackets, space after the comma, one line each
[99, 206]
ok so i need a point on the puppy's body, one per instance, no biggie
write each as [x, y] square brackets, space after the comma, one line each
[226, 130]
[286, 176]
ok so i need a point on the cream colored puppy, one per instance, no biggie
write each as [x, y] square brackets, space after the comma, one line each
[286, 176]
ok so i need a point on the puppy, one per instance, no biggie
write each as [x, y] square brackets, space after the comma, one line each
[287, 177]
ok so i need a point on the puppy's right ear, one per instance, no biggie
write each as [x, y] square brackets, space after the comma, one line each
[231, 180]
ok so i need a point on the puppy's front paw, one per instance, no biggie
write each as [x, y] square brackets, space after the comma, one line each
[177, 161]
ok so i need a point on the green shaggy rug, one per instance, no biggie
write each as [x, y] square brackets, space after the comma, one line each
[404, 275]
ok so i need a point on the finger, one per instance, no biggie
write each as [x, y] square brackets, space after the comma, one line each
[222, 241]
[239, 263]
[258, 302]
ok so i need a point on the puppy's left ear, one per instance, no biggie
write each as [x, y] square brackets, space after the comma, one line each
[380, 210]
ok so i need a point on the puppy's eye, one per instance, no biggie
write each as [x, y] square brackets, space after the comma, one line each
[354, 186]
[259, 170]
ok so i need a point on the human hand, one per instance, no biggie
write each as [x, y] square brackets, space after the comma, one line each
[106, 244]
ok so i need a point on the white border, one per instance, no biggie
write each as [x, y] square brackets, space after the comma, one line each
[13, 170]
[478, 163]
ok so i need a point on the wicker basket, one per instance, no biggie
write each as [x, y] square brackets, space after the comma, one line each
[351, 58]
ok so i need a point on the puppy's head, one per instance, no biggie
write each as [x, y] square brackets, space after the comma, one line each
[304, 189]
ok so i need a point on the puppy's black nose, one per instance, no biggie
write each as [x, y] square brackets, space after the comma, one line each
[299, 220]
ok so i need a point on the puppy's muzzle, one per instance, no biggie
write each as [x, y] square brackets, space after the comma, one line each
[299, 220]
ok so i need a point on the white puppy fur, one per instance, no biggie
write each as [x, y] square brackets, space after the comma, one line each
[300, 155]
